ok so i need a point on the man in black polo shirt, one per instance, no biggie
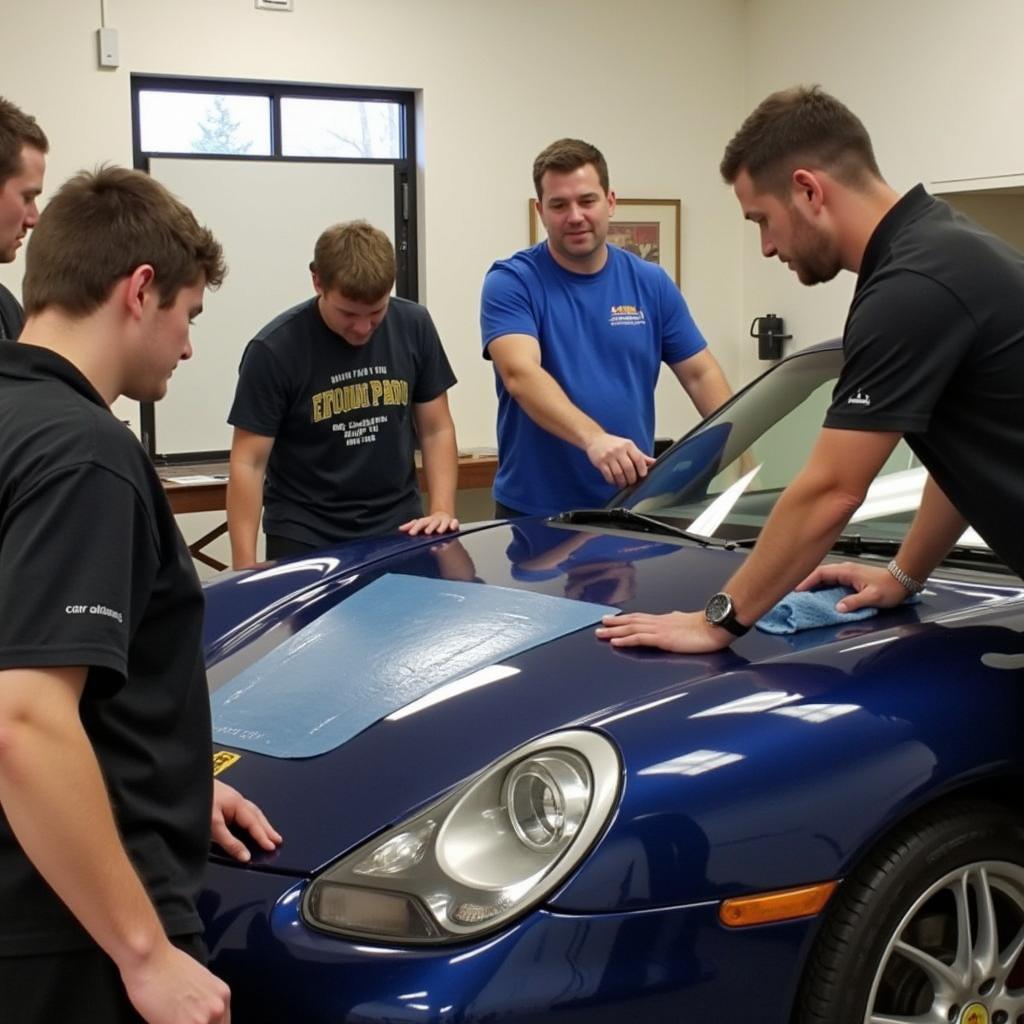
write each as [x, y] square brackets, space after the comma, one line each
[23, 148]
[105, 753]
[933, 352]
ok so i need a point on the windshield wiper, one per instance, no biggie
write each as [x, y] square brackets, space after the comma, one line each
[855, 544]
[637, 520]
[963, 555]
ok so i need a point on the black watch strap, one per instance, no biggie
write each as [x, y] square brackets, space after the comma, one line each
[720, 611]
[733, 626]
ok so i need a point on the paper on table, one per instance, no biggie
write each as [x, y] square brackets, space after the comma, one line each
[199, 478]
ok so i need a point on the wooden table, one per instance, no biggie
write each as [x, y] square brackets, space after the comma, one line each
[210, 494]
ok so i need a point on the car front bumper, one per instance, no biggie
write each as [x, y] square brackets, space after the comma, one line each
[675, 963]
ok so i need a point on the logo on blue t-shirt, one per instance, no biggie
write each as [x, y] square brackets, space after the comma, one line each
[626, 316]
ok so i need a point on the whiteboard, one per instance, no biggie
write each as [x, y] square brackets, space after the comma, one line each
[268, 216]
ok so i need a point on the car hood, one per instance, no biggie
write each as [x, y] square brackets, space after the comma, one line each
[327, 804]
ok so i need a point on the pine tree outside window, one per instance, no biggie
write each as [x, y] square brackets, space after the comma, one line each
[201, 122]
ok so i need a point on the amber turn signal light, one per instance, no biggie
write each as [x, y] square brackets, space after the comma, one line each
[769, 907]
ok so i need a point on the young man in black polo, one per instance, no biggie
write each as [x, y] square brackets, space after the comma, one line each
[933, 352]
[105, 756]
[23, 147]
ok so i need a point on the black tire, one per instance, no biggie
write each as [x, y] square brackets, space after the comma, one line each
[972, 847]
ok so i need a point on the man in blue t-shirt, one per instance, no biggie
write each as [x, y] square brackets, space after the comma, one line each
[577, 330]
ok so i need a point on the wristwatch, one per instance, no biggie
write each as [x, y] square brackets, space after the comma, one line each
[720, 611]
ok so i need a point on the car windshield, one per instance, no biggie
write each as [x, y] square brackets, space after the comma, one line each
[722, 480]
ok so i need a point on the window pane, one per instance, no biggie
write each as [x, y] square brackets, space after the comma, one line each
[204, 122]
[340, 128]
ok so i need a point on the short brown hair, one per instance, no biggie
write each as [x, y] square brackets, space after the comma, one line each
[356, 259]
[100, 227]
[800, 127]
[567, 155]
[17, 130]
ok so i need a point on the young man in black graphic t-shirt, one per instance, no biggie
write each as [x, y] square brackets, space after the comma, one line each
[332, 397]
[933, 351]
[106, 788]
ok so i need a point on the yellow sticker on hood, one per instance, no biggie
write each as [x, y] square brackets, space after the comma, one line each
[224, 759]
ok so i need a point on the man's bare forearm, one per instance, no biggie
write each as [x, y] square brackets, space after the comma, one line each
[799, 532]
[441, 469]
[704, 382]
[54, 798]
[935, 529]
[244, 505]
[710, 391]
[544, 400]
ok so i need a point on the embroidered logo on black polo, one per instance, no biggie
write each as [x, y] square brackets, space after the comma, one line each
[859, 399]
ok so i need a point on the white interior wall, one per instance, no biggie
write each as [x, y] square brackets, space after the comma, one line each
[657, 88]
[938, 83]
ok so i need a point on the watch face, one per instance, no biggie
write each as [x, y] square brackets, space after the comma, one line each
[718, 608]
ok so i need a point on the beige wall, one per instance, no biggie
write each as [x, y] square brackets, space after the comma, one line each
[657, 87]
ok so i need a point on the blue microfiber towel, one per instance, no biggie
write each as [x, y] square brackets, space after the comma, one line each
[809, 609]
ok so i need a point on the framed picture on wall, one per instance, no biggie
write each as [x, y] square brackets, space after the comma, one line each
[647, 227]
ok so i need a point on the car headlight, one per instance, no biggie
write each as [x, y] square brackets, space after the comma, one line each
[483, 854]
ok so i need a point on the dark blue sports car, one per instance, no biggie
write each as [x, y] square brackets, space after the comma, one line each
[490, 815]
